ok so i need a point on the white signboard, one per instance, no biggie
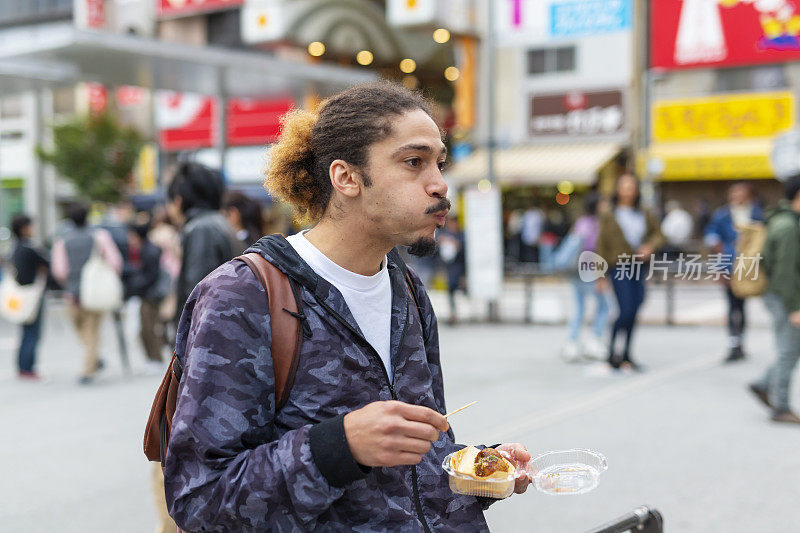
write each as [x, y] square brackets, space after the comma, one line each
[484, 244]
[264, 21]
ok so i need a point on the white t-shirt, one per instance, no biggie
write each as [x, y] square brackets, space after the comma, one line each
[369, 298]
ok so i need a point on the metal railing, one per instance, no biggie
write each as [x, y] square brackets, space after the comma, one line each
[641, 520]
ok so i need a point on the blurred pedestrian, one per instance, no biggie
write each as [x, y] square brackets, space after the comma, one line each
[164, 234]
[115, 221]
[207, 240]
[627, 230]
[781, 263]
[452, 256]
[31, 262]
[720, 237]
[151, 284]
[70, 254]
[533, 221]
[583, 237]
[245, 217]
[676, 227]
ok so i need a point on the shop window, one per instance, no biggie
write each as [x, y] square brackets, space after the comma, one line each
[24, 11]
[548, 60]
[761, 78]
[11, 107]
[224, 29]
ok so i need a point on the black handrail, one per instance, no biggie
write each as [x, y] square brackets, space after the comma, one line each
[641, 520]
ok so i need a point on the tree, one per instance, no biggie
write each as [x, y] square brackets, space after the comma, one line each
[96, 154]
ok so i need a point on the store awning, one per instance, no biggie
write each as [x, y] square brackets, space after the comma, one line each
[58, 54]
[713, 160]
[540, 164]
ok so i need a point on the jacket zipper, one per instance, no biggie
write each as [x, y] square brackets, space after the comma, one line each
[390, 382]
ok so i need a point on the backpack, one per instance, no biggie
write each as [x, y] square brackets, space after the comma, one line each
[287, 339]
[747, 276]
[285, 311]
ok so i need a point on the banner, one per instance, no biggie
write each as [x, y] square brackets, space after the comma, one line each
[577, 113]
[723, 117]
[172, 8]
[703, 33]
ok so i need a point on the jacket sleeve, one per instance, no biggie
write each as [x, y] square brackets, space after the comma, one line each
[224, 470]
[784, 251]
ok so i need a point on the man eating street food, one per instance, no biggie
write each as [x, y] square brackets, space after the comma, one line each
[359, 444]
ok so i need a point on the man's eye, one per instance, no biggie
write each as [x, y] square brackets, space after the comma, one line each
[414, 161]
[443, 165]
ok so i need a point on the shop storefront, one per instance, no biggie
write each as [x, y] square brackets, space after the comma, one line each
[701, 145]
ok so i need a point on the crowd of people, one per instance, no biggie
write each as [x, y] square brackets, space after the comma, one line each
[157, 257]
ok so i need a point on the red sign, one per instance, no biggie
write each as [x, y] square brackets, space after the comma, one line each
[96, 16]
[98, 97]
[128, 95]
[255, 121]
[189, 121]
[711, 33]
[172, 8]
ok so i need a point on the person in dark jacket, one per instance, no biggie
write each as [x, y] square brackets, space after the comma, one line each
[781, 263]
[720, 236]
[207, 240]
[359, 444]
[145, 280]
[30, 261]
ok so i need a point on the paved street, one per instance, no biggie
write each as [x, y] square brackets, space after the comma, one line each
[683, 437]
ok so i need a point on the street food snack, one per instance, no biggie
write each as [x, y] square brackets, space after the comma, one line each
[480, 472]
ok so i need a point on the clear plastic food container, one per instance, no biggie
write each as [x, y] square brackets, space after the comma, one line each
[567, 472]
[497, 486]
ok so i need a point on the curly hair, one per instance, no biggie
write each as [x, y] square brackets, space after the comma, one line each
[343, 128]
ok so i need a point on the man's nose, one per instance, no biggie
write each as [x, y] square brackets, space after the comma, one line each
[437, 187]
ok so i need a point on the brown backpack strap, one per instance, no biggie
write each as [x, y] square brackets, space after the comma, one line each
[285, 318]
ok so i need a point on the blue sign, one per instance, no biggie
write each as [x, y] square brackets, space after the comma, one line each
[579, 18]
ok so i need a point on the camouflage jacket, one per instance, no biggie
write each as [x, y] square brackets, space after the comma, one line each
[233, 464]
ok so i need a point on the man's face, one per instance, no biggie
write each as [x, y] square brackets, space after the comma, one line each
[407, 200]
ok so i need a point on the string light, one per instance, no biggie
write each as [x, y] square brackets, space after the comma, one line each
[364, 57]
[408, 65]
[566, 187]
[316, 49]
[451, 73]
[441, 35]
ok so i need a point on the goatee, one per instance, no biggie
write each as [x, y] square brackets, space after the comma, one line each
[423, 247]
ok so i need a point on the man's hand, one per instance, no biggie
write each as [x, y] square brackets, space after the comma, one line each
[794, 319]
[519, 453]
[392, 433]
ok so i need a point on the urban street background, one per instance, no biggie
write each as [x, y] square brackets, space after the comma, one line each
[684, 437]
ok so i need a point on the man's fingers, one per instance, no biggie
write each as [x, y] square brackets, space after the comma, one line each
[420, 430]
[416, 446]
[419, 413]
[405, 458]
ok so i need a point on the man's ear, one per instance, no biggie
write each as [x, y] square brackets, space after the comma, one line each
[344, 178]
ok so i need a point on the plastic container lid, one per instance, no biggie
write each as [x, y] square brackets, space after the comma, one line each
[567, 472]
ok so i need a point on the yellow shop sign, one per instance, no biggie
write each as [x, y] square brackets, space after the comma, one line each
[723, 117]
